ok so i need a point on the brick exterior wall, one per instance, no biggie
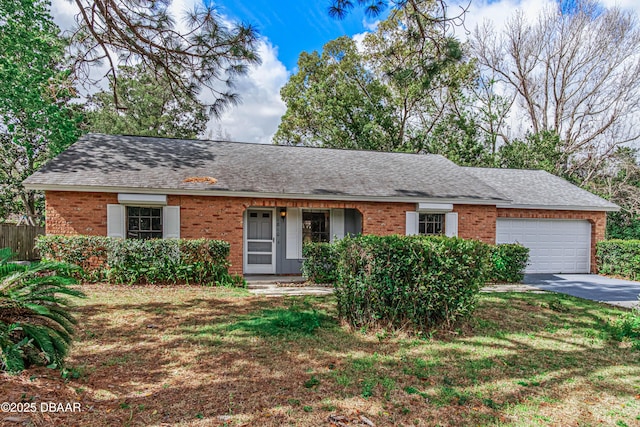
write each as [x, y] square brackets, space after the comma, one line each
[477, 222]
[598, 222]
[221, 217]
[69, 213]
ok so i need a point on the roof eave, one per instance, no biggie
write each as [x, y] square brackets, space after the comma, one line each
[250, 194]
[614, 208]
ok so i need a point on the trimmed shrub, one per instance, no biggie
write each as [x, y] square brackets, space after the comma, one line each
[619, 257]
[87, 252]
[509, 262]
[141, 261]
[413, 282]
[320, 262]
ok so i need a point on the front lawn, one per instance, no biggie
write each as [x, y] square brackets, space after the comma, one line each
[215, 356]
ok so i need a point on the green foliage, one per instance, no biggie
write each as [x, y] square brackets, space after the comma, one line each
[627, 328]
[320, 261]
[619, 257]
[379, 96]
[346, 101]
[38, 121]
[538, 151]
[409, 281]
[35, 324]
[142, 261]
[623, 225]
[457, 137]
[147, 106]
[509, 262]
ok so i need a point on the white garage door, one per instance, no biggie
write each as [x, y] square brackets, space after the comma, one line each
[555, 246]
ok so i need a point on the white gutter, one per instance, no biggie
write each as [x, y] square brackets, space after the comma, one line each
[613, 208]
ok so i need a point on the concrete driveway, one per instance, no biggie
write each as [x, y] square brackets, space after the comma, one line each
[623, 293]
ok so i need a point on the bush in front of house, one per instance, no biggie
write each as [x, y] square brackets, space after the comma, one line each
[409, 282]
[508, 262]
[136, 261]
[619, 257]
[36, 326]
[320, 262]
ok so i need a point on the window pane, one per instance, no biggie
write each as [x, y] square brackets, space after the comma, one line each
[144, 223]
[259, 246]
[430, 224]
[315, 226]
[258, 259]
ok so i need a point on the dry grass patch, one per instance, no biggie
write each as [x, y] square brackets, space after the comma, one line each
[213, 356]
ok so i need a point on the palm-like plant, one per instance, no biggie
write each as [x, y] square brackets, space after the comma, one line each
[35, 325]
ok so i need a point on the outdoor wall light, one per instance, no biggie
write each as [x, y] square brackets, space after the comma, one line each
[283, 213]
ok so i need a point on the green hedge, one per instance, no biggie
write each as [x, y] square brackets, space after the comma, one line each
[141, 261]
[410, 282]
[619, 257]
[508, 262]
[320, 261]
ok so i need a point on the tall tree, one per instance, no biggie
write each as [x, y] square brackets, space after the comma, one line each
[147, 107]
[37, 120]
[423, 16]
[335, 101]
[379, 97]
[573, 72]
[425, 74]
[201, 52]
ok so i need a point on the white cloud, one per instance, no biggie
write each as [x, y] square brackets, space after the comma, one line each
[624, 4]
[64, 13]
[257, 118]
[497, 12]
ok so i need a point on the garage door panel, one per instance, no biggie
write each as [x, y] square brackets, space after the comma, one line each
[555, 246]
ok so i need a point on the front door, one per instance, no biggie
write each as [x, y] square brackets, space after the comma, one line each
[259, 248]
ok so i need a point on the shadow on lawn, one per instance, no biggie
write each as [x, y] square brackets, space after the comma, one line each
[189, 362]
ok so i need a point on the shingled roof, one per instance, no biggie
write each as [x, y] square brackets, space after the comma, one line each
[537, 188]
[176, 166]
[143, 164]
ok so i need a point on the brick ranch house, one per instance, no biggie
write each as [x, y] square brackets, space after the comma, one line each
[267, 200]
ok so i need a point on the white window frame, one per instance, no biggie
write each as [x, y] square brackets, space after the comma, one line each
[450, 219]
[117, 223]
[294, 228]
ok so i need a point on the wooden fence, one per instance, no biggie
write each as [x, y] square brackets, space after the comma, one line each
[21, 239]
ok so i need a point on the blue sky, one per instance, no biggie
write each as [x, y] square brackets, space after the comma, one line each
[294, 26]
[289, 27]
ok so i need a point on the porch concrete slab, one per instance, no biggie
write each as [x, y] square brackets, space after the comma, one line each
[508, 287]
[261, 279]
[623, 293]
[283, 291]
